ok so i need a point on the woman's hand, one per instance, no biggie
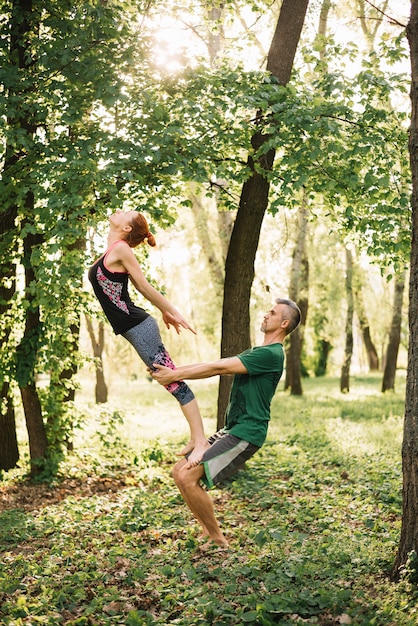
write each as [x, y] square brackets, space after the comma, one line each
[176, 320]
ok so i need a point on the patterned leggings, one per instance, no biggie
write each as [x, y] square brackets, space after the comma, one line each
[146, 339]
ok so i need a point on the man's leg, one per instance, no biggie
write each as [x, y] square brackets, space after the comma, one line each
[197, 499]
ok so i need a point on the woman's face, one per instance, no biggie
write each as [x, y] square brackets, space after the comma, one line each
[121, 219]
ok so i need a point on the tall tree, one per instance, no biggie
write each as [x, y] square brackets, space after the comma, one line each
[51, 72]
[9, 453]
[239, 266]
[24, 26]
[408, 544]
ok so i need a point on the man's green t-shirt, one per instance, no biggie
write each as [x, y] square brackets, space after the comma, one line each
[248, 412]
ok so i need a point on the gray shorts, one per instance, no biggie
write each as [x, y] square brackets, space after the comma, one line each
[225, 456]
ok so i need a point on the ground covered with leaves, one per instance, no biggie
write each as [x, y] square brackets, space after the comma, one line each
[313, 523]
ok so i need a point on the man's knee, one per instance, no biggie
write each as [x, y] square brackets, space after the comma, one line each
[186, 477]
[176, 471]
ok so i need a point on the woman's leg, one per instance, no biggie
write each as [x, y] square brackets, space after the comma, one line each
[146, 340]
[198, 442]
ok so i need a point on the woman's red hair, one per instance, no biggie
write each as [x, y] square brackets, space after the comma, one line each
[140, 232]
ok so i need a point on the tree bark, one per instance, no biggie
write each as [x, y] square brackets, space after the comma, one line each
[348, 353]
[298, 292]
[409, 531]
[323, 349]
[239, 266]
[26, 356]
[389, 373]
[9, 451]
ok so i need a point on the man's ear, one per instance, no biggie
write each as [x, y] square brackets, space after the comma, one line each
[285, 323]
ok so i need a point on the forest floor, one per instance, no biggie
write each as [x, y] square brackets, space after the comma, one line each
[313, 520]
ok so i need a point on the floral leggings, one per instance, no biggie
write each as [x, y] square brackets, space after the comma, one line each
[146, 339]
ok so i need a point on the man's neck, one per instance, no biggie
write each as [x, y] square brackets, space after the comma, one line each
[276, 338]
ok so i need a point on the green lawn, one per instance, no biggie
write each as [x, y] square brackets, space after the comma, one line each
[313, 521]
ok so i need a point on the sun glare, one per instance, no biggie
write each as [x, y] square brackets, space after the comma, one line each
[175, 46]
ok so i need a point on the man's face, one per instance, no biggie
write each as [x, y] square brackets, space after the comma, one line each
[272, 319]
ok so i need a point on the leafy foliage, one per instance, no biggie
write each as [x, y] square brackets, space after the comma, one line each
[89, 124]
[312, 521]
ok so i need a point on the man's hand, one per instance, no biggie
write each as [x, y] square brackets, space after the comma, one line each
[164, 375]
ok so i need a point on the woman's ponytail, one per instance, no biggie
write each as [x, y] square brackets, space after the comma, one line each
[140, 231]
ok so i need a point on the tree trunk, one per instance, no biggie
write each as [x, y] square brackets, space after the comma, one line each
[225, 224]
[98, 347]
[409, 531]
[38, 444]
[239, 266]
[27, 354]
[372, 356]
[323, 22]
[298, 292]
[389, 373]
[72, 339]
[323, 349]
[201, 221]
[345, 370]
[9, 451]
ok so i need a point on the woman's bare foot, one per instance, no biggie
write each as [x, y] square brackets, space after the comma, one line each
[187, 449]
[195, 452]
[198, 451]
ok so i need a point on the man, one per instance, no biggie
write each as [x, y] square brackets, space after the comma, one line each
[256, 375]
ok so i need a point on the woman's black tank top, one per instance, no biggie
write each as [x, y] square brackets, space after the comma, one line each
[111, 289]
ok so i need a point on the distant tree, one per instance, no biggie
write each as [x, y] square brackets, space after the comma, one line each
[348, 351]
[391, 358]
[298, 292]
[360, 309]
[101, 391]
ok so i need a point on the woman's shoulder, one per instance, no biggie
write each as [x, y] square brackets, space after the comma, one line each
[120, 249]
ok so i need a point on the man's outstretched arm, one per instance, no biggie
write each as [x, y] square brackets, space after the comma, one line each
[165, 375]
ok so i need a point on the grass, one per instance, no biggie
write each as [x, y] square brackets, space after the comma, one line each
[313, 520]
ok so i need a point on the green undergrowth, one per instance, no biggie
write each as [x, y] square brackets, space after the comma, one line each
[313, 523]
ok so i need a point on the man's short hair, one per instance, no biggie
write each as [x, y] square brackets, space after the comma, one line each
[293, 311]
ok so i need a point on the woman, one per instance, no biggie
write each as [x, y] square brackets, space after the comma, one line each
[109, 277]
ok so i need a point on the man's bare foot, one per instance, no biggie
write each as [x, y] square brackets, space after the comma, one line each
[204, 536]
[214, 544]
